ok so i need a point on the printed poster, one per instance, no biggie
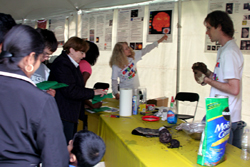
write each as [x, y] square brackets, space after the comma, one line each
[239, 12]
[31, 23]
[130, 26]
[160, 21]
[57, 24]
[97, 28]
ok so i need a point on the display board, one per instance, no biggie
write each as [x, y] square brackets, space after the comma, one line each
[160, 21]
[57, 25]
[31, 23]
[130, 26]
[97, 28]
[239, 11]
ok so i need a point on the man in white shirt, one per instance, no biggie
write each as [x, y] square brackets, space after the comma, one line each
[226, 80]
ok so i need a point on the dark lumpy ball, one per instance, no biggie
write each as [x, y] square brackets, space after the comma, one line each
[165, 136]
[200, 66]
[174, 144]
[164, 130]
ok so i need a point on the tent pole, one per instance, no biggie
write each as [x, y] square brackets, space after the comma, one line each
[178, 50]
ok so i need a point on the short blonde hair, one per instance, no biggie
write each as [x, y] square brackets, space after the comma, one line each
[77, 44]
[118, 56]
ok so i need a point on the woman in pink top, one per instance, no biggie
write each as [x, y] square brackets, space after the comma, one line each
[85, 68]
[89, 60]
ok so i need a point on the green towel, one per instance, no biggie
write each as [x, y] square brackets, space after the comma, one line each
[98, 98]
[59, 85]
[100, 109]
[45, 85]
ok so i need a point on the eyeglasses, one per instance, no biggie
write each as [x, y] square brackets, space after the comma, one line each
[82, 52]
[45, 56]
[46, 53]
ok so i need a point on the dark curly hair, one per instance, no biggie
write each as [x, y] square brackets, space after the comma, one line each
[6, 23]
[88, 148]
[221, 18]
[92, 54]
[49, 39]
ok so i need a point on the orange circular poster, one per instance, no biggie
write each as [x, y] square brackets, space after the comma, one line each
[160, 22]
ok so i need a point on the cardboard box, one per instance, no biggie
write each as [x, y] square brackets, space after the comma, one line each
[160, 101]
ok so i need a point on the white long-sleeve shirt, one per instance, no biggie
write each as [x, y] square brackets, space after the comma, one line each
[128, 76]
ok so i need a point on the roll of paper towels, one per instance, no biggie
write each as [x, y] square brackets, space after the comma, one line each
[125, 104]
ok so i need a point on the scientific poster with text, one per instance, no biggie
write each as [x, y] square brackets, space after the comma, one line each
[239, 11]
[97, 28]
[130, 26]
[160, 21]
[57, 25]
[31, 23]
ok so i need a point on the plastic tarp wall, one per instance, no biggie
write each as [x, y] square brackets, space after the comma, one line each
[157, 69]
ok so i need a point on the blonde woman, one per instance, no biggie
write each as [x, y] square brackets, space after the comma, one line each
[123, 63]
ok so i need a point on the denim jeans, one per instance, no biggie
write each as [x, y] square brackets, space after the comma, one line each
[236, 132]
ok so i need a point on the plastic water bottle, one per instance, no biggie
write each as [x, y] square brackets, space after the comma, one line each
[171, 115]
[245, 145]
[135, 102]
[134, 105]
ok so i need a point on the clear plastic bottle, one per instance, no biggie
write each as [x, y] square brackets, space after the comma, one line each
[245, 145]
[135, 101]
[171, 115]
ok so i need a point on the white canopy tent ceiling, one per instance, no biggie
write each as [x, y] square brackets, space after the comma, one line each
[36, 9]
[172, 61]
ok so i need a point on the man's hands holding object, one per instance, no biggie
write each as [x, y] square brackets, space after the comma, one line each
[200, 72]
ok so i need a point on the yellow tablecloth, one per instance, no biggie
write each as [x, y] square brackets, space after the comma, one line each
[126, 150]
[93, 118]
